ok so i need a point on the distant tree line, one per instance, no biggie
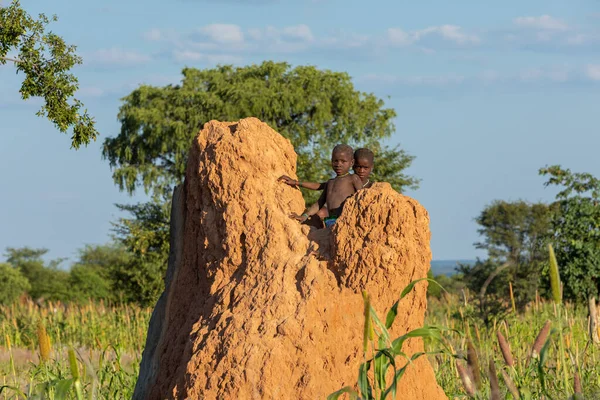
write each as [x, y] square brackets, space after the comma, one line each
[516, 236]
[101, 272]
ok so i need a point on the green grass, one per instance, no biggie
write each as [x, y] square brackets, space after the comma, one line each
[94, 350]
[108, 343]
[548, 375]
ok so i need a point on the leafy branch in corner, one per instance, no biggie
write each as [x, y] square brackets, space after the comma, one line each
[45, 60]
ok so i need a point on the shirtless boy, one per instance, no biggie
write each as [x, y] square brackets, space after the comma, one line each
[363, 166]
[338, 189]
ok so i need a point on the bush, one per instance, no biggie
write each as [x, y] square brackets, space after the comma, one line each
[88, 283]
[12, 284]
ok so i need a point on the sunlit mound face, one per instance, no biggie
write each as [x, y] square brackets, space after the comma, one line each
[341, 161]
[362, 168]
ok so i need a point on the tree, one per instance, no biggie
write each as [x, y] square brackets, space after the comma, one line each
[146, 237]
[514, 236]
[45, 60]
[576, 235]
[88, 283]
[47, 281]
[315, 109]
[12, 284]
[95, 276]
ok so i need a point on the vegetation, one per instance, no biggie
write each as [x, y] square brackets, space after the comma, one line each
[540, 353]
[514, 234]
[101, 273]
[108, 343]
[525, 353]
[45, 60]
[12, 284]
[61, 351]
[576, 236]
[384, 354]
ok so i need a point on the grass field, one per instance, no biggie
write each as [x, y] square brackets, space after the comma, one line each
[105, 344]
[541, 363]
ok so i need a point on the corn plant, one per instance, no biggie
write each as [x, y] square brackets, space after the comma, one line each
[385, 352]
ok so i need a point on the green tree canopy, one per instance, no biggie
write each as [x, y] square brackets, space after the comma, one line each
[47, 282]
[315, 109]
[96, 274]
[576, 231]
[12, 284]
[89, 283]
[45, 60]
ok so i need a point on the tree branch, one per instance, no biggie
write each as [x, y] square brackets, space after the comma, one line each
[15, 60]
[491, 277]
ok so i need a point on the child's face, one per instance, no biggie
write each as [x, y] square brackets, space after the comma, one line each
[341, 162]
[362, 168]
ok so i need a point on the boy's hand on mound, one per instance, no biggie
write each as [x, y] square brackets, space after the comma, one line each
[288, 181]
[297, 217]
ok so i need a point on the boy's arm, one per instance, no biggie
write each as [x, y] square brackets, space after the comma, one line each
[307, 185]
[312, 210]
[313, 185]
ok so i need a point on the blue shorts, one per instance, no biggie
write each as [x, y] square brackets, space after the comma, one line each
[329, 221]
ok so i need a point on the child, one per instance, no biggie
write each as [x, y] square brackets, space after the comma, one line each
[364, 159]
[336, 190]
[363, 166]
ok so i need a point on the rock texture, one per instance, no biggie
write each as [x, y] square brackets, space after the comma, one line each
[253, 309]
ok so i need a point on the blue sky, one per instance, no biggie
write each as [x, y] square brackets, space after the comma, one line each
[486, 94]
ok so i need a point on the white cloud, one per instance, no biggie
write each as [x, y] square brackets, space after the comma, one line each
[223, 33]
[344, 40]
[544, 22]
[296, 33]
[116, 56]
[452, 33]
[399, 37]
[300, 32]
[593, 72]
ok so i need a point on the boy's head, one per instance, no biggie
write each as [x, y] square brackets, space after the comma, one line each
[342, 158]
[363, 163]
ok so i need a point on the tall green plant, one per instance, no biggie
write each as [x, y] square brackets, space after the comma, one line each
[384, 352]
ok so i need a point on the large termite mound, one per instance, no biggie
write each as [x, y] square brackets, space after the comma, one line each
[253, 309]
